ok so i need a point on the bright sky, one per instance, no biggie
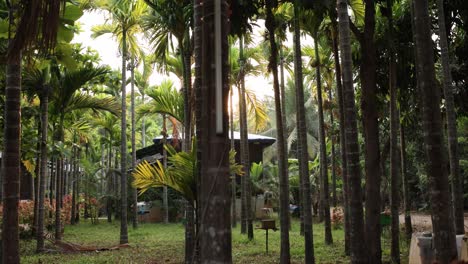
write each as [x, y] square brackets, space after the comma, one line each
[108, 50]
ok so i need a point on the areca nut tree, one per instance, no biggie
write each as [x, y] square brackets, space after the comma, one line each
[369, 101]
[40, 79]
[311, 23]
[270, 24]
[167, 19]
[125, 14]
[443, 227]
[38, 23]
[212, 93]
[357, 248]
[456, 179]
[67, 98]
[303, 155]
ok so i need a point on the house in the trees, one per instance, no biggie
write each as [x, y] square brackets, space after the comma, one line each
[257, 144]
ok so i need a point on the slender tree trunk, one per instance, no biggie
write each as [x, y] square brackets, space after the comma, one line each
[285, 256]
[186, 143]
[110, 176]
[344, 170]
[333, 154]
[283, 120]
[58, 199]
[53, 174]
[212, 134]
[43, 169]
[442, 220]
[456, 179]
[165, 202]
[244, 144]
[233, 175]
[11, 158]
[325, 195]
[73, 183]
[123, 145]
[78, 179]
[134, 190]
[197, 39]
[394, 160]
[405, 176]
[356, 228]
[303, 155]
[37, 169]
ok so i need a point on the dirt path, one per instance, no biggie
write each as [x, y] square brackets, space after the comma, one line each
[422, 222]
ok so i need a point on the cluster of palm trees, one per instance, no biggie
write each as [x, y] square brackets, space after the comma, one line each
[204, 33]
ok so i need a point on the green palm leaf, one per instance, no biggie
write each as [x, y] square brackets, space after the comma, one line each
[86, 101]
[167, 100]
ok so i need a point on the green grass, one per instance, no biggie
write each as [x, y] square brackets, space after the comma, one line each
[160, 243]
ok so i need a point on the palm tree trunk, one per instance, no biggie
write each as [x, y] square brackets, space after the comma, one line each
[197, 39]
[344, 175]
[303, 155]
[285, 256]
[394, 166]
[43, 170]
[58, 199]
[442, 221]
[233, 175]
[371, 134]
[11, 158]
[283, 119]
[73, 174]
[36, 179]
[457, 181]
[394, 160]
[165, 202]
[332, 154]
[406, 192]
[110, 176]
[215, 227]
[134, 190]
[123, 145]
[78, 179]
[356, 227]
[244, 144]
[325, 195]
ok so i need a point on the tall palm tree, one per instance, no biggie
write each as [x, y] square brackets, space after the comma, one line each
[126, 15]
[244, 148]
[33, 16]
[132, 66]
[66, 99]
[394, 159]
[270, 24]
[302, 154]
[39, 81]
[369, 101]
[242, 63]
[357, 248]
[167, 19]
[457, 182]
[166, 101]
[443, 227]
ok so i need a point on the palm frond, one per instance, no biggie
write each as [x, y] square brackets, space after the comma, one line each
[85, 101]
[167, 100]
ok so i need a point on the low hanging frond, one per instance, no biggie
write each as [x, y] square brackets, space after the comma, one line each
[180, 175]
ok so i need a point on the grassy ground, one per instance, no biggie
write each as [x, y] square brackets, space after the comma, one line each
[159, 243]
